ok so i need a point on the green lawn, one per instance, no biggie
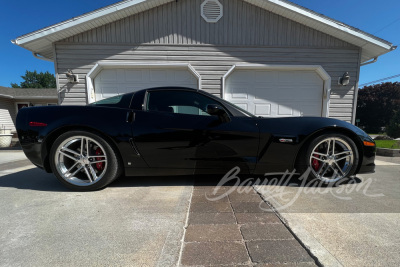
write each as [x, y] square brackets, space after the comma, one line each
[388, 144]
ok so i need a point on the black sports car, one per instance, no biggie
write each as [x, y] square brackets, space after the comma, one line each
[182, 131]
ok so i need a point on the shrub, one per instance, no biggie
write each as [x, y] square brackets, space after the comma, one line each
[393, 129]
[376, 105]
[383, 137]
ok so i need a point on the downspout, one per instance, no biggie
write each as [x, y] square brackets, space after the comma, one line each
[353, 119]
[36, 55]
[369, 62]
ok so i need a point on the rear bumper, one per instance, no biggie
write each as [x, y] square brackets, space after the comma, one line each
[33, 153]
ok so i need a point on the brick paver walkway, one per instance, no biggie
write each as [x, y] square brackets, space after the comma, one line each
[237, 231]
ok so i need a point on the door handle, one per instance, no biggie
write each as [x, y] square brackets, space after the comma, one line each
[130, 116]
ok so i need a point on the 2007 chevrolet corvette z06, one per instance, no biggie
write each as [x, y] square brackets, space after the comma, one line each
[182, 131]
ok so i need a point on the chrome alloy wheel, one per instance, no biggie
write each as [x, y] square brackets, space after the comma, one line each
[331, 159]
[81, 160]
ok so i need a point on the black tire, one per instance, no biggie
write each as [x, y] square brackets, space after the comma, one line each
[331, 166]
[82, 171]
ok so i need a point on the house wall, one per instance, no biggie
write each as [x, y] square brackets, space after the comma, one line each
[8, 109]
[7, 113]
[176, 32]
[37, 102]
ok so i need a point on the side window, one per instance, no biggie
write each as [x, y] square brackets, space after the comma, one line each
[182, 102]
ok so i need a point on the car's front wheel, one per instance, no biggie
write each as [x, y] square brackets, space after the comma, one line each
[331, 157]
[84, 161]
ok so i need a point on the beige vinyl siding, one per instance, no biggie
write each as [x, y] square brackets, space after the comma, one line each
[211, 62]
[7, 113]
[176, 33]
[180, 23]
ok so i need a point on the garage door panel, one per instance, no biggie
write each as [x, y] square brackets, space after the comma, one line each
[240, 92]
[309, 109]
[183, 76]
[240, 96]
[265, 77]
[158, 75]
[242, 76]
[262, 109]
[299, 108]
[107, 90]
[276, 93]
[133, 75]
[244, 106]
[109, 76]
[284, 110]
[260, 91]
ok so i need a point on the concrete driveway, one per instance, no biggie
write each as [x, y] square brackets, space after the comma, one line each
[133, 222]
[349, 225]
[141, 221]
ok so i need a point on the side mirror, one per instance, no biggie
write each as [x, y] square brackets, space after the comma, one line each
[215, 110]
[218, 111]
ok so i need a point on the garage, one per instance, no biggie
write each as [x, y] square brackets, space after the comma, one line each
[107, 80]
[301, 55]
[276, 91]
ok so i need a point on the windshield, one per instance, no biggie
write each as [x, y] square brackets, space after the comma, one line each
[235, 110]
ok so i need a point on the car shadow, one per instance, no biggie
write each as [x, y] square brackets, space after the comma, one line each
[32, 179]
[37, 179]
[147, 181]
[273, 180]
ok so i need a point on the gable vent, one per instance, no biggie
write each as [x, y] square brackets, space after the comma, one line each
[211, 10]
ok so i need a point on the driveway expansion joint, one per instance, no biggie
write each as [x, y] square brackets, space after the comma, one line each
[285, 223]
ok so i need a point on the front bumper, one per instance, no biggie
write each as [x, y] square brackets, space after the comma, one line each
[368, 160]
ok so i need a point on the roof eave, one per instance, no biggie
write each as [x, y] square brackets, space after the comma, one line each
[7, 96]
[76, 21]
[289, 10]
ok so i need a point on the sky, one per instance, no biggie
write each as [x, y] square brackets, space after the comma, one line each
[380, 18]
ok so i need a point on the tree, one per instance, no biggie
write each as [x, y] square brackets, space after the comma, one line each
[393, 129]
[377, 104]
[32, 79]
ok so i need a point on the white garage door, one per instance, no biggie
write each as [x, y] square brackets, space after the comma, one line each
[270, 93]
[114, 81]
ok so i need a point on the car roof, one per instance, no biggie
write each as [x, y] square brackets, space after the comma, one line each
[169, 88]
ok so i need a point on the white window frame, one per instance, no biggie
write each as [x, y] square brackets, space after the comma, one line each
[317, 68]
[91, 96]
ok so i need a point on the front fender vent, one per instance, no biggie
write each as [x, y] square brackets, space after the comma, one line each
[211, 11]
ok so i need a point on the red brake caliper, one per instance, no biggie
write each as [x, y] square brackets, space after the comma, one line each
[99, 165]
[315, 162]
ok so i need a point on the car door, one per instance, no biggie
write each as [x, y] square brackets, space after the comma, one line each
[228, 144]
[165, 129]
[175, 131]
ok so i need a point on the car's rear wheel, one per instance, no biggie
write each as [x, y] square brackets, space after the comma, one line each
[330, 158]
[84, 161]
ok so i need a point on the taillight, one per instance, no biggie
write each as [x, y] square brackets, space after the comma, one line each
[37, 124]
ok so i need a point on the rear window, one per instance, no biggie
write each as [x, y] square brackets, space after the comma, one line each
[121, 101]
